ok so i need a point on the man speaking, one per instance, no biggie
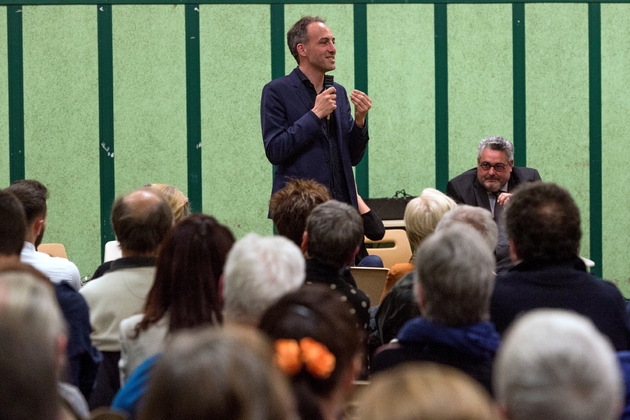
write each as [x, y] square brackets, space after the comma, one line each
[308, 130]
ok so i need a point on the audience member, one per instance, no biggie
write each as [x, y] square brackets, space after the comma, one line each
[454, 282]
[33, 353]
[333, 233]
[290, 206]
[185, 292]
[492, 182]
[426, 391]
[140, 220]
[12, 228]
[178, 203]
[219, 374]
[318, 345]
[422, 215]
[543, 226]
[33, 195]
[476, 217]
[555, 365]
[398, 303]
[258, 271]
[83, 358]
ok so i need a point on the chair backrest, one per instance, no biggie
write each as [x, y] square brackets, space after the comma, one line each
[393, 248]
[371, 281]
[54, 250]
[112, 251]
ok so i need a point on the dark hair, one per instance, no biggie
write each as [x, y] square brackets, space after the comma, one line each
[317, 312]
[12, 224]
[298, 34]
[33, 195]
[544, 222]
[292, 204]
[335, 230]
[187, 275]
[141, 222]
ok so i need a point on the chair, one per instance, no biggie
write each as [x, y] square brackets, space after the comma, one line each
[393, 248]
[112, 251]
[54, 250]
[371, 281]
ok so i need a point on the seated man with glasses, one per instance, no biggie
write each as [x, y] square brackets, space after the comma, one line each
[490, 186]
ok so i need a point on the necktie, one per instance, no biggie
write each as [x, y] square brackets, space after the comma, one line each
[498, 208]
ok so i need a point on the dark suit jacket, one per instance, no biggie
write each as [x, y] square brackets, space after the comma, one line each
[295, 139]
[562, 285]
[466, 189]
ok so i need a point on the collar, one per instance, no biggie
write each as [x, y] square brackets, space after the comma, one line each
[132, 262]
[575, 263]
[29, 246]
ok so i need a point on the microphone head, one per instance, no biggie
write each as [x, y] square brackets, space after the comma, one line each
[328, 80]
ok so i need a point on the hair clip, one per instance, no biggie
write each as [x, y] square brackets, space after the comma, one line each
[291, 355]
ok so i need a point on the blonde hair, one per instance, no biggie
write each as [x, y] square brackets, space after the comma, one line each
[426, 391]
[423, 213]
[176, 200]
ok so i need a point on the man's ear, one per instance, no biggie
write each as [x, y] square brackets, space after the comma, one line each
[420, 297]
[351, 258]
[300, 49]
[38, 225]
[304, 245]
[513, 252]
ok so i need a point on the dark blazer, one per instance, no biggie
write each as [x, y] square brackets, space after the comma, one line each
[466, 189]
[295, 139]
[562, 285]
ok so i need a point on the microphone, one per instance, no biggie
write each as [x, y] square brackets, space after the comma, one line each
[328, 83]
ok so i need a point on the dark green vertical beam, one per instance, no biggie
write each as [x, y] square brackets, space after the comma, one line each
[106, 119]
[16, 93]
[595, 130]
[518, 86]
[440, 25]
[193, 107]
[361, 83]
[277, 40]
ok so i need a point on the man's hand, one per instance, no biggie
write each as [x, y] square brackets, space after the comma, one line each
[362, 104]
[325, 103]
[503, 198]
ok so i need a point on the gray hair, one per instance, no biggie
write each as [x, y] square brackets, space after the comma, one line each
[334, 230]
[423, 213]
[497, 143]
[477, 217]
[556, 365]
[298, 34]
[258, 271]
[220, 373]
[455, 275]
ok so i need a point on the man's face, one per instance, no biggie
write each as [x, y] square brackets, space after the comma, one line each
[319, 50]
[491, 179]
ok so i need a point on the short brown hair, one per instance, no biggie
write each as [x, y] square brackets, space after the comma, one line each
[12, 224]
[33, 195]
[140, 224]
[291, 206]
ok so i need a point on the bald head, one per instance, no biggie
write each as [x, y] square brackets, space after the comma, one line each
[141, 220]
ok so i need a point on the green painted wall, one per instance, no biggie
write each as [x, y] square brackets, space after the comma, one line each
[150, 130]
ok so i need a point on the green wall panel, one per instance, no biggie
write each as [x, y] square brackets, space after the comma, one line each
[61, 124]
[402, 88]
[557, 99]
[149, 96]
[4, 102]
[480, 79]
[235, 65]
[615, 153]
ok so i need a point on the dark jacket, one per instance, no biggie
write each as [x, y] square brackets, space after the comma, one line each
[562, 285]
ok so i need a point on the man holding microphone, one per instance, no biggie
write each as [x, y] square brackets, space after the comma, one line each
[307, 127]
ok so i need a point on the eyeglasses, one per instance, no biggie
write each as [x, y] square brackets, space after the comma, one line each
[498, 167]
